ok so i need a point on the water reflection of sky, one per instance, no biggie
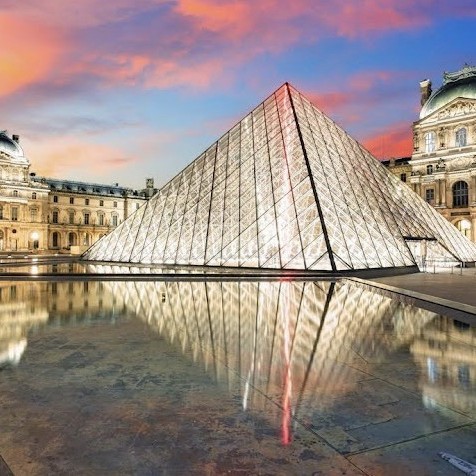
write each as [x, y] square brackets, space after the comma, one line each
[331, 356]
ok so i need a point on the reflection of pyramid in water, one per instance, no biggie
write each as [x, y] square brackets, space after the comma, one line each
[284, 188]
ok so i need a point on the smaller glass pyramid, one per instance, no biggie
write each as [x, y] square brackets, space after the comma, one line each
[285, 188]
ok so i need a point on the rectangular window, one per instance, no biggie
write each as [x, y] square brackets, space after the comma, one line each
[101, 219]
[55, 198]
[114, 220]
[55, 217]
[71, 218]
[403, 177]
[1, 212]
[71, 200]
[114, 204]
[34, 214]
[101, 203]
[86, 218]
[14, 213]
[86, 201]
[430, 195]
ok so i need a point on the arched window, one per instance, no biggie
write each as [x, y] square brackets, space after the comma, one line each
[55, 240]
[72, 239]
[429, 169]
[430, 142]
[460, 137]
[460, 194]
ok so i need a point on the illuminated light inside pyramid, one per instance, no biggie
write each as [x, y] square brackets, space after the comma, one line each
[285, 188]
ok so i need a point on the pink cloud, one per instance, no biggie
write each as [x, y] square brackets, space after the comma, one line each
[363, 17]
[331, 101]
[393, 141]
[149, 71]
[194, 43]
[356, 96]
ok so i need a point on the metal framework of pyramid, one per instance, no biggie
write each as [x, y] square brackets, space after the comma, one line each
[285, 188]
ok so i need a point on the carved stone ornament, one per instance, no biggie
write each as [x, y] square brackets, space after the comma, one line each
[459, 164]
[416, 141]
[458, 109]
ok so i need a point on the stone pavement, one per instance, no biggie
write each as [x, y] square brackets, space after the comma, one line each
[460, 288]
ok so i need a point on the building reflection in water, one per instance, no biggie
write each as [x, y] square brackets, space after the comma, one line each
[446, 352]
[287, 348]
[27, 306]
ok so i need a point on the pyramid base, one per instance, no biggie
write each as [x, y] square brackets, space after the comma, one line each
[191, 272]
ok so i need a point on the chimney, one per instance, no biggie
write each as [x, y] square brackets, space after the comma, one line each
[425, 90]
[16, 137]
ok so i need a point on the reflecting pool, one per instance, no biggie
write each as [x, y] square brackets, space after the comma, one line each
[230, 377]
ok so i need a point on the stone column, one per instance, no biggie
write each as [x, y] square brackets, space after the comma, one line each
[437, 193]
[443, 192]
[472, 195]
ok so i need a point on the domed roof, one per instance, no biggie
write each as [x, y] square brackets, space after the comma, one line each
[11, 147]
[461, 83]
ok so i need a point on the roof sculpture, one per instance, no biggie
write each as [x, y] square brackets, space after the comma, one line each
[285, 188]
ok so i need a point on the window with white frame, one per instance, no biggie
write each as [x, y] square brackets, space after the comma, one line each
[460, 140]
[430, 142]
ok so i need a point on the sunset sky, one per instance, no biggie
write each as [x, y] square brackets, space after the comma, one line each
[116, 91]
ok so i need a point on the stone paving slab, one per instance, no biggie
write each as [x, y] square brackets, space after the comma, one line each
[455, 287]
[120, 400]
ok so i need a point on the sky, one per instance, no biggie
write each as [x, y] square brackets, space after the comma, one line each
[117, 91]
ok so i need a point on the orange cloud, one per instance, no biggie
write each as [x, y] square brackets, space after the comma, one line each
[394, 141]
[69, 157]
[28, 54]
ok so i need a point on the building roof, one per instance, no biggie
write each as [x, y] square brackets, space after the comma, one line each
[461, 83]
[12, 148]
[72, 186]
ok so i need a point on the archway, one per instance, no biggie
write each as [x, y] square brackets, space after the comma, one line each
[72, 239]
[55, 240]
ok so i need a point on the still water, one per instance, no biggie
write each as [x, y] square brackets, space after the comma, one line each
[236, 377]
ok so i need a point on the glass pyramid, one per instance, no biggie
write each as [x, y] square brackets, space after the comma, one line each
[285, 188]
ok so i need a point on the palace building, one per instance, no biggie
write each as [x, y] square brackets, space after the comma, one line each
[39, 214]
[442, 168]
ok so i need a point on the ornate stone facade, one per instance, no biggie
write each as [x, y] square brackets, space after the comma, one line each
[443, 163]
[39, 214]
